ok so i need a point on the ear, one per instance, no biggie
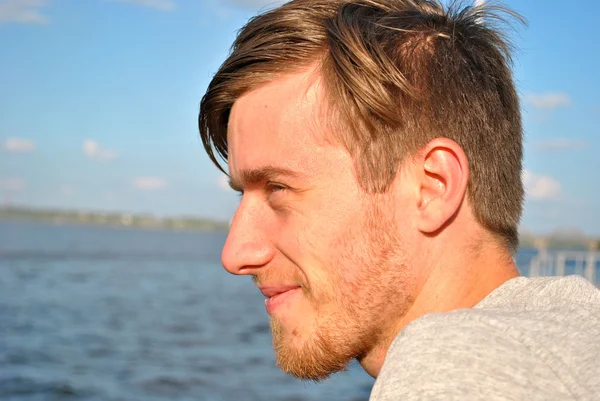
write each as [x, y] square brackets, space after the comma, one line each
[444, 174]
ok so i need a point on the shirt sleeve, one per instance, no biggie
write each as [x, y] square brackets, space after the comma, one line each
[464, 357]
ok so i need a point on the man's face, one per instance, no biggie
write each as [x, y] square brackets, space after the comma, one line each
[326, 254]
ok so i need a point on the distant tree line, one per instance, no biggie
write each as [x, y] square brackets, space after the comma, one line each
[110, 219]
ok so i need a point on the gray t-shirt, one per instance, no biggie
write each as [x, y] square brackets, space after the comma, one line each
[530, 339]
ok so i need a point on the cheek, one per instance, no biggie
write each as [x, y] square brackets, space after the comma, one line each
[321, 239]
[342, 261]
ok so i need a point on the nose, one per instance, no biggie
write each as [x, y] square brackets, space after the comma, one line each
[248, 246]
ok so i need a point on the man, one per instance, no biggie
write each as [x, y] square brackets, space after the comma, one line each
[377, 145]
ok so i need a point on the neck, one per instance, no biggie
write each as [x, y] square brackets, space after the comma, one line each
[452, 282]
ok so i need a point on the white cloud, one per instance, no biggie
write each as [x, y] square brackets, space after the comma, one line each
[67, 190]
[548, 101]
[223, 183]
[149, 183]
[164, 5]
[18, 145]
[12, 184]
[22, 11]
[541, 187]
[562, 144]
[93, 150]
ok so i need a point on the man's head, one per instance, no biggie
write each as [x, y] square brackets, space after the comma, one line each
[360, 133]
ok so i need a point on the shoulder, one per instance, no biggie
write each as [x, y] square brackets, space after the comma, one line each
[543, 293]
[466, 354]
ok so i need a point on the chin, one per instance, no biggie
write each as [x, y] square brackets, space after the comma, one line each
[307, 356]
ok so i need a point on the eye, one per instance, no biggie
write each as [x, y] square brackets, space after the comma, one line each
[272, 187]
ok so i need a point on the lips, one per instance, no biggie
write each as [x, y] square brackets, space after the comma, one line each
[277, 296]
[276, 290]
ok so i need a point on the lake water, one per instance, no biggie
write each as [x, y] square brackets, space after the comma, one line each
[104, 314]
[92, 313]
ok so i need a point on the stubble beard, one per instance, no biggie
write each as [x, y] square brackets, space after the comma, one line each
[362, 305]
[314, 360]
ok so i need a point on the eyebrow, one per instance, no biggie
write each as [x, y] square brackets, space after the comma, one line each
[255, 176]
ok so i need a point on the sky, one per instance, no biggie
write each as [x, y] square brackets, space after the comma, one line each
[99, 102]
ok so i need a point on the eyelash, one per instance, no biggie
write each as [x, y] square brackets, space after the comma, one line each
[270, 188]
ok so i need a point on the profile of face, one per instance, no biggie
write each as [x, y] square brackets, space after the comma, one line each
[327, 255]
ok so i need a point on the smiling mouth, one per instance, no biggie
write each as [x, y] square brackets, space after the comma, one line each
[278, 296]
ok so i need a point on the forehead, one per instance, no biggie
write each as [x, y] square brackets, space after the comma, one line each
[282, 123]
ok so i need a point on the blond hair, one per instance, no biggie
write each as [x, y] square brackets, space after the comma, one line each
[398, 73]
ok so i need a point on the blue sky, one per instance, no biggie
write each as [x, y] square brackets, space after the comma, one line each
[99, 100]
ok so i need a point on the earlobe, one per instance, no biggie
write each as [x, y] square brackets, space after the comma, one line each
[444, 177]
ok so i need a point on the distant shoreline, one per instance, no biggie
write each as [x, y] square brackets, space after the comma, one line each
[558, 239]
[563, 243]
[110, 219]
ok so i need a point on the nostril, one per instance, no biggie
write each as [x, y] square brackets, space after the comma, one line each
[248, 245]
[244, 258]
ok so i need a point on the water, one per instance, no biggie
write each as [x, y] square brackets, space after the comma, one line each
[102, 314]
